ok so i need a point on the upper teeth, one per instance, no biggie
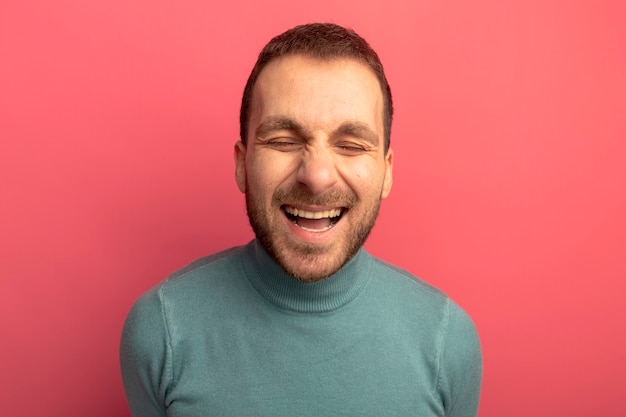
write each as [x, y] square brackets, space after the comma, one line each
[313, 214]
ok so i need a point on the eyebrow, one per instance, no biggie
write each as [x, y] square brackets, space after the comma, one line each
[358, 130]
[275, 123]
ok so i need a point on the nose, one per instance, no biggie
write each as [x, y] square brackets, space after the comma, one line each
[317, 170]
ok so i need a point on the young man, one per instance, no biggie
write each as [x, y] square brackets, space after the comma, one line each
[302, 321]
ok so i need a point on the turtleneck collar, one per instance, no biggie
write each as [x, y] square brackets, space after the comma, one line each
[286, 292]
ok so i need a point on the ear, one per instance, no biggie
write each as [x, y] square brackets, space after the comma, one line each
[388, 180]
[240, 165]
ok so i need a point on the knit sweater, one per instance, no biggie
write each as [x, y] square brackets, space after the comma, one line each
[233, 335]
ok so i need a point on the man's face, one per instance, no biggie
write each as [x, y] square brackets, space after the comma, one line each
[314, 169]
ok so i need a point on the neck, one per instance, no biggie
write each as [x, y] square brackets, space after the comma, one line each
[286, 292]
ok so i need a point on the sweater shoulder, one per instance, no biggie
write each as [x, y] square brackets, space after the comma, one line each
[204, 274]
[199, 266]
[406, 280]
[413, 292]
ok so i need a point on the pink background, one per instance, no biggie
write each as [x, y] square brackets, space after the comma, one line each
[117, 122]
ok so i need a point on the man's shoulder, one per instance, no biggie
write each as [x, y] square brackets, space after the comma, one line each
[198, 287]
[405, 280]
[219, 260]
[199, 276]
[410, 291]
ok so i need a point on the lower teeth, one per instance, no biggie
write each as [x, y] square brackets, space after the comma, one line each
[315, 230]
[332, 223]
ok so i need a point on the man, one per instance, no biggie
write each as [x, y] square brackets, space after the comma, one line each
[302, 321]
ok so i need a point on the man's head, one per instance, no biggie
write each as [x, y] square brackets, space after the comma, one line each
[314, 161]
[326, 42]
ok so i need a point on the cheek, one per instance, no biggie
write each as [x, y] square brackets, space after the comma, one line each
[364, 177]
[266, 174]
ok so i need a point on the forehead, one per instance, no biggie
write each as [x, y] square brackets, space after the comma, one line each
[318, 92]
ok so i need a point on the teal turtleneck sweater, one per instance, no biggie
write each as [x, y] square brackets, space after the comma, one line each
[234, 335]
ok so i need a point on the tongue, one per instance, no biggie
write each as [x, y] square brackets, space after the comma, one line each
[315, 224]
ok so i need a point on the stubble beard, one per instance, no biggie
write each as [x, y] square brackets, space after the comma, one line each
[305, 261]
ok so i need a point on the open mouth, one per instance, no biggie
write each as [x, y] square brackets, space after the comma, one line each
[314, 221]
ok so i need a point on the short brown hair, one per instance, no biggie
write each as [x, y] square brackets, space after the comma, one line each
[323, 41]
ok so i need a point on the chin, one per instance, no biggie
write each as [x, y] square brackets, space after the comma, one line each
[313, 265]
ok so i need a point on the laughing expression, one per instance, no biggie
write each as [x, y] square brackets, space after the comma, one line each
[314, 169]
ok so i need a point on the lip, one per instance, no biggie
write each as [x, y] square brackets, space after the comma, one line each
[309, 236]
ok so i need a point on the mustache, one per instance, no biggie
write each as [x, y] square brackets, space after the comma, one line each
[300, 195]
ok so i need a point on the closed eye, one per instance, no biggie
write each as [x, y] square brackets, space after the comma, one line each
[351, 148]
[283, 144]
